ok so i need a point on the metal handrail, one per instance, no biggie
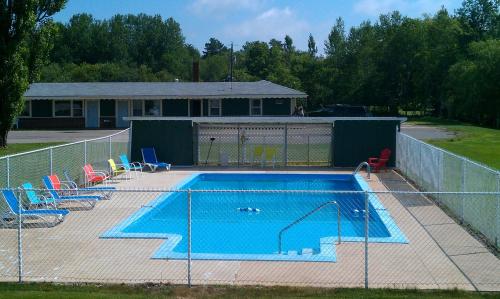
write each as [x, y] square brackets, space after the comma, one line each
[368, 169]
[307, 215]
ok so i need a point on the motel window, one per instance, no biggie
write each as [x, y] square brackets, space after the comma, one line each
[214, 107]
[137, 108]
[26, 109]
[107, 108]
[41, 108]
[152, 107]
[62, 108]
[256, 107]
[78, 108]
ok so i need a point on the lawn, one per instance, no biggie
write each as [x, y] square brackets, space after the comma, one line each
[44, 290]
[476, 143]
[14, 148]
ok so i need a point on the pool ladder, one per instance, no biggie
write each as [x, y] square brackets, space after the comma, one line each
[368, 169]
[307, 215]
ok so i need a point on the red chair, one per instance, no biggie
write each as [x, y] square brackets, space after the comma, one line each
[93, 177]
[376, 164]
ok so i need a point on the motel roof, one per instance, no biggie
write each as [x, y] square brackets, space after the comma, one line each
[160, 90]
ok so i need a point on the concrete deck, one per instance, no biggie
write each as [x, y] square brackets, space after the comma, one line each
[440, 254]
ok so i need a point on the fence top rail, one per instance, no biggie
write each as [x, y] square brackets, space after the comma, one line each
[146, 190]
[265, 119]
[61, 145]
[452, 154]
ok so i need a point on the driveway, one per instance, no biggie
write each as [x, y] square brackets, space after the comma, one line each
[426, 132]
[22, 136]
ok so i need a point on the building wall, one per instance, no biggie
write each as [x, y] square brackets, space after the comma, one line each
[51, 123]
[272, 107]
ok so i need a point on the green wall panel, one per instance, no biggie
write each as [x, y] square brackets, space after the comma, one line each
[276, 106]
[175, 107]
[356, 141]
[172, 140]
[235, 107]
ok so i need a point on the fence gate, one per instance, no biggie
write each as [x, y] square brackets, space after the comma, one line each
[264, 145]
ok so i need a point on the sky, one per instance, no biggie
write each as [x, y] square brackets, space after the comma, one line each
[239, 21]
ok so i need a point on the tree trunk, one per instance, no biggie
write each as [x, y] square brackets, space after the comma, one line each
[4, 131]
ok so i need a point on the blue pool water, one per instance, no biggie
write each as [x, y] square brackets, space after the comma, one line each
[245, 226]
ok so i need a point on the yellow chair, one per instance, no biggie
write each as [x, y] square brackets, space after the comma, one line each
[257, 154]
[117, 169]
[271, 153]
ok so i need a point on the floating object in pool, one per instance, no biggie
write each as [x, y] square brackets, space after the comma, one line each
[356, 212]
[254, 210]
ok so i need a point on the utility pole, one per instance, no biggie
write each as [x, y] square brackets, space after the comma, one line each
[231, 66]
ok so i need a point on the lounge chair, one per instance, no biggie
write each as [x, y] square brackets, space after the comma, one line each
[15, 211]
[117, 169]
[35, 199]
[271, 153]
[149, 158]
[93, 177]
[131, 166]
[91, 200]
[104, 191]
[377, 164]
[258, 151]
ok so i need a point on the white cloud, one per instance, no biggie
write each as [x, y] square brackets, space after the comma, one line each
[222, 7]
[407, 7]
[272, 23]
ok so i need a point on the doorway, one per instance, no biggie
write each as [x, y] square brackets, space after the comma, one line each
[92, 114]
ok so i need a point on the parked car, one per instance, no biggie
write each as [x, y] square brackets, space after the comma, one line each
[341, 110]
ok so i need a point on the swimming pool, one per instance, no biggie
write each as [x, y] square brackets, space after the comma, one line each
[246, 225]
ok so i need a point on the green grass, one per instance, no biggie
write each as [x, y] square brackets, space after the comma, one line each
[45, 290]
[476, 143]
[14, 148]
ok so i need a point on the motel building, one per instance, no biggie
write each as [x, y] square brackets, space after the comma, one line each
[105, 104]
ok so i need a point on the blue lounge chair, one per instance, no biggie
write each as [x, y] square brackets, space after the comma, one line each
[37, 199]
[91, 200]
[18, 212]
[130, 166]
[150, 160]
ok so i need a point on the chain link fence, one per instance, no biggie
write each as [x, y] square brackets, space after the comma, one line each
[32, 166]
[264, 145]
[246, 237]
[437, 170]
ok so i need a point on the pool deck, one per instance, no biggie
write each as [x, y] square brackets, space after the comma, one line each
[440, 253]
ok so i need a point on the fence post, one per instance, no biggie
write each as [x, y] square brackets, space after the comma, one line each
[51, 161]
[308, 151]
[189, 236]
[420, 166]
[464, 172]
[19, 241]
[497, 237]
[367, 219]
[8, 172]
[239, 142]
[85, 152]
[285, 149]
[110, 151]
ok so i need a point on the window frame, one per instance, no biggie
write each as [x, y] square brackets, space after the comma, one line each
[62, 116]
[142, 108]
[210, 107]
[160, 112]
[73, 108]
[260, 107]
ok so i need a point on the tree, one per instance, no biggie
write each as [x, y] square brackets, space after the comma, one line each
[482, 16]
[214, 47]
[311, 46]
[289, 47]
[24, 33]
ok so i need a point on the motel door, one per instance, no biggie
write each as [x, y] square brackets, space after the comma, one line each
[121, 112]
[92, 114]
